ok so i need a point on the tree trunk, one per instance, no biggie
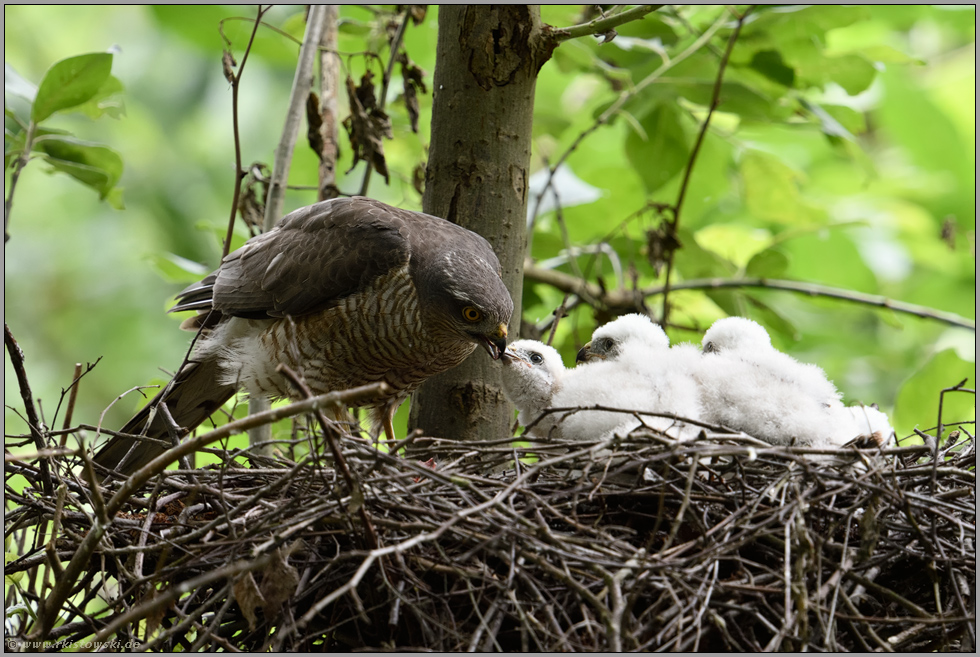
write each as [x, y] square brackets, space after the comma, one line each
[487, 60]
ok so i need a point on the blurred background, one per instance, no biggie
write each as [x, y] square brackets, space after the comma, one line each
[842, 154]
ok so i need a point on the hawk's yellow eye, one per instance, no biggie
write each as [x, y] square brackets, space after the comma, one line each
[471, 314]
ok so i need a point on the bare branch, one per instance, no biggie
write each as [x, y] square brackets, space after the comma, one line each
[34, 423]
[601, 25]
[294, 115]
[625, 300]
[715, 101]
[235, 80]
[396, 43]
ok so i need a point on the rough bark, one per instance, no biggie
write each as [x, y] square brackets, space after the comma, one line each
[487, 61]
[329, 91]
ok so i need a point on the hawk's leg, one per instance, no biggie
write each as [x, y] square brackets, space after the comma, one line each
[382, 417]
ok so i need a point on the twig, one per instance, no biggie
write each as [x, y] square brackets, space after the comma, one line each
[624, 300]
[294, 115]
[19, 165]
[302, 82]
[599, 25]
[165, 598]
[333, 441]
[617, 105]
[560, 312]
[102, 522]
[72, 396]
[396, 43]
[34, 423]
[235, 81]
[682, 193]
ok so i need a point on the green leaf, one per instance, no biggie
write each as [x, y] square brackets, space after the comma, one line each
[13, 145]
[829, 257]
[106, 101]
[853, 72]
[771, 188]
[574, 56]
[917, 405]
[695, 261]
[662, 152]
[70, 83]
[14, 84]
[776, 322]
[353, 27]
[770, 64]
[852, 121]
[115, 198]
[175, 269]
[651, 26]
[13, 140]
[97, 166]
[734, 98]
[771, 263]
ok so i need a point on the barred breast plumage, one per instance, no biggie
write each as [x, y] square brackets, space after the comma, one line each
[347, 292]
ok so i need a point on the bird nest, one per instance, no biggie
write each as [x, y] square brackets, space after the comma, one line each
[635, 543]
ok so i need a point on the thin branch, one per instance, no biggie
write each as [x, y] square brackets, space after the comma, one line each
[72, 397]
[33, 420]
[235, 81]
[302, 82]
[333, 441]
[80, 561]
[614, 109]
[624, 299]
[173, 593]
[19, 165]
[396, 43]
[676, 213]
[600, 25]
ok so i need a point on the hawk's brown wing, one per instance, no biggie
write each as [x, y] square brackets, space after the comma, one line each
[315, 257]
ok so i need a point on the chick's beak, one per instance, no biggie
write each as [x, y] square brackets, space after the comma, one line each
[495, 342]
[584, 354]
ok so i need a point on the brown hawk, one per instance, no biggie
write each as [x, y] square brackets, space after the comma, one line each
[347, 292]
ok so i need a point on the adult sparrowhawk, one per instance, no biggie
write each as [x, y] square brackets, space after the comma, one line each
[348, 292]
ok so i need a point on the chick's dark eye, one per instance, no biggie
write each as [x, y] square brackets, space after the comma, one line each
[471, 314]
[536, 358]
[607, 344]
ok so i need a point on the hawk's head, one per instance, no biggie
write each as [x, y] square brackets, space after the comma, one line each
[462, 291]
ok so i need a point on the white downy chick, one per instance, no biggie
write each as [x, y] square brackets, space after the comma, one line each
[628, 365]
[866, 426]
[742, 338]
[532, 373]
[750, 386]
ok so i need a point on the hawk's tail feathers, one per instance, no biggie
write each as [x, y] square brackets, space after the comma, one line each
[193, 395]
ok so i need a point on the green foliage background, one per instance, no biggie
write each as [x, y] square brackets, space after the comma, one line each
[843, 144]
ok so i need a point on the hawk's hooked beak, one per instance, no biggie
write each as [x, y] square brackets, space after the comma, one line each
[496, 342]
[585, 354]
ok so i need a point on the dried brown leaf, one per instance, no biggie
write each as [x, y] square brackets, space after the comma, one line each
[367, 125]
[279, 582]
[314, 122]
[661, 242]
[413, 82]
[248, 596]
[228, 65]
